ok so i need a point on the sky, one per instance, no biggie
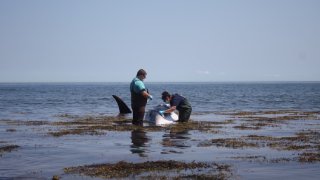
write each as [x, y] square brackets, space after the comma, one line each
[173, 40]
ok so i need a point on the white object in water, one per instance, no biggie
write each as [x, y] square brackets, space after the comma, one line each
[153, 116]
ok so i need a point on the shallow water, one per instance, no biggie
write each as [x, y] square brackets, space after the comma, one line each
[41, 155]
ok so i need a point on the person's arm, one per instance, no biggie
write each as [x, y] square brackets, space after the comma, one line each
[146, 95]
[143, 90]
[171, 109]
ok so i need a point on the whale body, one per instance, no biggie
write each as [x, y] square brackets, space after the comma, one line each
[153, 116]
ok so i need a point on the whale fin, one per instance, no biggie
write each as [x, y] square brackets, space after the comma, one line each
[123, 108]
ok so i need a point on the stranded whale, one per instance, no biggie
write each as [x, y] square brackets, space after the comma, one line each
[152, 115]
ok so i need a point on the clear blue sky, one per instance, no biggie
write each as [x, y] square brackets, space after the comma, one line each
[174, 40]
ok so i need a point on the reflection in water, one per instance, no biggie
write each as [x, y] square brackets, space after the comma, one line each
[175, 139]
[139, 139]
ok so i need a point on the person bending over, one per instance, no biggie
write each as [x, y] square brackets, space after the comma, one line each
[177, 102]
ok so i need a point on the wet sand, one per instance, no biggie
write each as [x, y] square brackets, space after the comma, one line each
[224, 145]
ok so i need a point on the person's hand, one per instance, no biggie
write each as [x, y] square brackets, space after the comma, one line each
[150, 97]
[161, 113]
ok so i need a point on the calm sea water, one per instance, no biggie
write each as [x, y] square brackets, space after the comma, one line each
[40, 156]
[46, 101]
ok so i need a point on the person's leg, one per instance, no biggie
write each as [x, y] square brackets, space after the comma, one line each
[138, 115]
[141, 113]
[184, 116]
[134, 115]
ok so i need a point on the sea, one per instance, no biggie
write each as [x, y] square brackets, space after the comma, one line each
[42, 156]
[46, 101]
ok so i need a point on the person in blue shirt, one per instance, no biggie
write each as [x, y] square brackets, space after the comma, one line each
[177, 102]
[139, 97]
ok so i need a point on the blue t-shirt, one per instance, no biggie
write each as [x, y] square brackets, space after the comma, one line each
[137, 85]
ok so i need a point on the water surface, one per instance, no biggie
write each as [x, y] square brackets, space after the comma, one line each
[41, 155]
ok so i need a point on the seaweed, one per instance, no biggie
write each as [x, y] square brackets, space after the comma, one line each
[8, 148]
[96, 125]
[309, 157]
[247, 127]
[234, 143]
[152, 169]
[11, 130]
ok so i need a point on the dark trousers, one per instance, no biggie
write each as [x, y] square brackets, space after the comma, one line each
[184, 115]
[138, 115]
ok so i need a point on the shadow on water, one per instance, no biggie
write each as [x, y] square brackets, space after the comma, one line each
[173, 139]
[139, 140]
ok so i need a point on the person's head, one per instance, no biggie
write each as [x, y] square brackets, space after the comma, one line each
[141, 74]
[165, 96]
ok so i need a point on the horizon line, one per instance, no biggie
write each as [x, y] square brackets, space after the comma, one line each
[241, 81]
